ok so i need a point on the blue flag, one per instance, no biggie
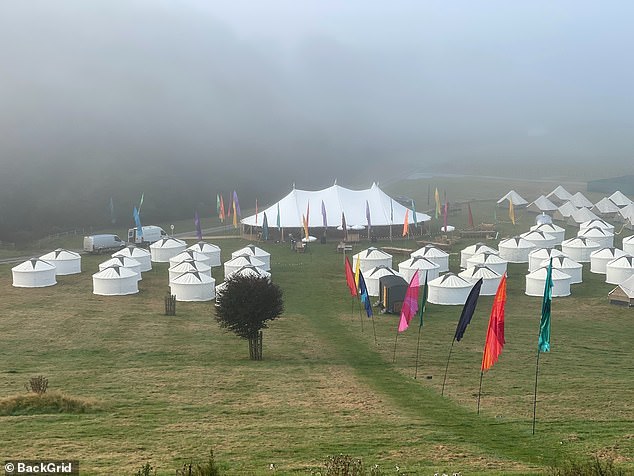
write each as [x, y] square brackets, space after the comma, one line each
[265, 228]
[137, 221]
[468, 310]
[365, 298]
[199, 232]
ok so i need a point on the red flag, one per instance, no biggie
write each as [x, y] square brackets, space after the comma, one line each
[495, 334]
[406, 223]
[350, 278]
[410, 303]
[470, 216]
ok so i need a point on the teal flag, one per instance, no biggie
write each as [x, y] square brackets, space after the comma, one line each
[424, 301]
[544, 325]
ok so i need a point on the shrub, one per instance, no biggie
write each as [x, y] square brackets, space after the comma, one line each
[37, 385]
[591, 467]
[209, 468]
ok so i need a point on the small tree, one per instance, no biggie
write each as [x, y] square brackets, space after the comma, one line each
[245, 307]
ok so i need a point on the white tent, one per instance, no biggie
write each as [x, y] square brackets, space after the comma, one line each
[619, 269]
[580, 216]
[559, 195]
[373, 275]
[513, 197]
[371, 258]
[579, 249]
[598, 223]
[542, 205]
[244, 271]
[65, 261]
[337, 201]
[471, 250]
[256, 252]
[115, 281]
[516, 249]
[556, 231]
[490, 279]
[234, 264]
[564, 211]
[540, 239]
[605, 206]
[139, 254]
[490, 260]
[434, 254]
[449, 289]
[190, 254]
[627, 212]
[628, 245]
[619, 199]
[580, 201]
[166, 248]
[34, 273]
[424, 266]
[600, 258]
[627, 290]
[605, 238]
[193, 286]
[568, 266]
[536, 257]
[536, 283]
[187, 266]
[212, 251]
[124, 262]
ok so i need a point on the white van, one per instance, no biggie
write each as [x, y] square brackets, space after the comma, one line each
[102, 243]
[151, 233]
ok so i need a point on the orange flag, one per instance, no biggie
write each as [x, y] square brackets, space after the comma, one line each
[405, 223]
[222, 210]
[352, 285]
[495, 334]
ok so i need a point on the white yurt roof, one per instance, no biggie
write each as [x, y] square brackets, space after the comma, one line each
[123, 261]
[604, 237]
[193, 287]
[536, 282]
[619, 269]
[582, 215]
[187, 266]
[434, 254]
[373, 275]
[471, 250]
[566, 209]
[490, 279]
[487, 258]
[34, 273]
[628, 287]
[139, 254]
[600, 258]
[627, 211]
[516, 249]
[540, 239]
[542, 204]
[579, 248]
[513, 197]
[425, 266]
[193, 277]
[560, 193]
[115, 281]
[536, 257]
[250, 270]
[212, 251]
[556, 231]
[238, 262]
[190, 254]
[597, 223]
[628, 244]
[169, 242]
[568, 266]
[166, 248]
[579, 200]
[65, 261]
[259, 253]
[605, 206]
[449, 289]
[371, 258]
[619, 199]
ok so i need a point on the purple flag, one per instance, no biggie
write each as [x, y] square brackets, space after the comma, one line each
[199, 232]
[235, 200]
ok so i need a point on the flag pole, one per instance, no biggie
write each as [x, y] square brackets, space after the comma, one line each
[360, 316]
[417, 352]
[447, 367]
[374, 330]
[480, 390]
[535, 395]
[395, 341]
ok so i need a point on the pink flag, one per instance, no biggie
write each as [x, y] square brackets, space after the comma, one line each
[410, 304]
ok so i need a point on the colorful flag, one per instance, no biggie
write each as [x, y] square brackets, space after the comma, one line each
[511, 211]
[217, 204]
[468, 310]
[305, 223]
[437, 198]
[444, 219]
[256, 212]
[350, 278]
[544, 324]
[405, 223]
[423, 304]
[344, 226]
[414, 214]
[495, 333]
[222, 210]
[236, 204]
[410, 303]
[113, 217]
[365, 298]
[367, 214]
[199, 232]
[278, 217]
[137, 221]
[307, 214]
[324, 219]
[235, 216]
[470, 216]
[357, 270]
[141, 201]
[265, 228]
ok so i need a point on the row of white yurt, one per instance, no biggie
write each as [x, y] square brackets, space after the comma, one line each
[65, 261]
[258, 253]
[536, 282]
[557, 232]
[193, 286]
[490, 260]
[619, 269]
[188, 266]
[471, 250]
[602, 236]
[426, 268]
[371, 258]
[568, 266]
[600, 258]
[579, 248]
[435, 255]
[372, 278]
[536, 257]
[166, 248]
[34, 273]
[516, 249]
[540, 239]
[490, 279]
[628, 245]
[143, 257]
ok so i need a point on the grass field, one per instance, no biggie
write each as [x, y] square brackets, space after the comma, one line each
[167, 389]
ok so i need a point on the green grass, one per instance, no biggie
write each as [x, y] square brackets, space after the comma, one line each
[172, 387]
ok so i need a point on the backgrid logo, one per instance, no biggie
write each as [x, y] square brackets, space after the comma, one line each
[39, 467]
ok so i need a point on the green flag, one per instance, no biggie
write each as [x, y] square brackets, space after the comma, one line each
[544, 325]
[217, 204]
[423, 302]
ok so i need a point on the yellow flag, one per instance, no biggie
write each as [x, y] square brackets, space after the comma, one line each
[511, 211]
[235, 216]
[305, 222]
[357, 270]
[406, 223]
[437, 198]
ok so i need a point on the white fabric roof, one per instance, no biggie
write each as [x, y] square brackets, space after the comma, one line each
[543, 204]
[429, 251]
[619, 199]
[627, 212]
[605, 205]
[514, 197]
[579, 200]
[560, 193]
[204, 247]
[168, 243]
[567, 209]
[450, 280]
[193, 277]
[115, 272]
[628, 286]
[34, 264]
[337, 200]
[60, 254]
[582, 215]
[132, 252]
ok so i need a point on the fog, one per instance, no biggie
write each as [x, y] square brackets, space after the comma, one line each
[184, 100]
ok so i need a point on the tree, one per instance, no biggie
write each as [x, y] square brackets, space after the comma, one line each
[245, 307]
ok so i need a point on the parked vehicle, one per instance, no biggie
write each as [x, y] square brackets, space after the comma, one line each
[102, 243]
[151, 233]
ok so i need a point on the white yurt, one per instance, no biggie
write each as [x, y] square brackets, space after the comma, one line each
[490, 279]
[372, 277]
[371, 258]
[435, 254]
[540, 239]
[424, 266]
[628, 245]
[605, 207]
[619, 269]
[238, 262]
[536, 283]
[124, 262]
[516, 249]
[605, 238]
[193, 286]
[187, 266]
[568, 266]
[536, 257]
[139, 254]
[620, 199]
[212, 251]
[600, 258]
[34, 273]
[190, 254]
[560, 195]
[166, 248]
[579, 249]
[555, 231]
[580, 216]
[256, 252]
[564, 211]
[579, 200]
[542, 205]
[449, 289]
[115, 281]
[65, 261]
[490, 260]
[471, 250]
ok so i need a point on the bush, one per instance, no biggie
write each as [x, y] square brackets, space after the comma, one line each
[592, 467]
[210, 468]
[37, 385]
[146, 470]
[345, 465]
